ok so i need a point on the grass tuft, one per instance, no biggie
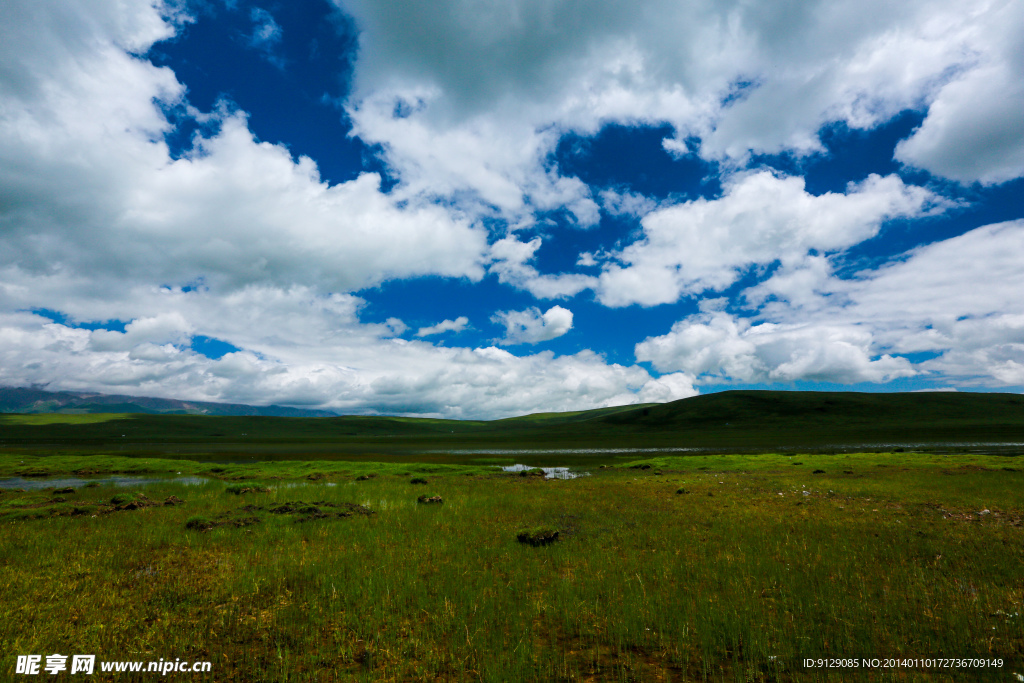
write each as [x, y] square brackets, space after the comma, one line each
[537, 536]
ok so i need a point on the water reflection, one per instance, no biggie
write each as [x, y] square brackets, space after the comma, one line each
[296, 484]
[566, 451]
[549, 472]
[36, 484]
[931, 445]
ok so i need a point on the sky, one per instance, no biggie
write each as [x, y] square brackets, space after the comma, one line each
[485, 208]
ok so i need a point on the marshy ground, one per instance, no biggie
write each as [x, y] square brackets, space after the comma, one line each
[702, 567]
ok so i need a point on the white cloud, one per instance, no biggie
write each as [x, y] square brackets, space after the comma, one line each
[957, 301]
[531, 326]
[395, 326]
[457, 325]
[626, 203]
[762, 217]
[94, 191]
[99, 221]
[299, 347]
[798, 283]
[974, 129]
[488, 166]
[958, 297]
[248, 212]
[719, 347]
[701, 245]
[973, 276]
[476, 114]
[670, 387]
[344, 365]
[164, 329]
[510, 261]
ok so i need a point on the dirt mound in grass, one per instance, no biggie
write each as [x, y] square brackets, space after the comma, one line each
[248, 515]
[204, 524]
[430, 500]
[537, 537]
[240, 490]
[964, 469]
[303, 512]
[126, 502]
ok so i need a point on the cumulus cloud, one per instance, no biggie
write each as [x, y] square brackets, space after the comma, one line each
[349, 367]
[234, 212]
[723, 348]
[626, 203]
[457, 325]
[762, 217]
[155, 332]
[237, 240]
[670, 387]
[956, 301]
[959, 298]
[531, 326]
[477, 114]
[511, 263]
[973, 131]
[94, 190]
[976, 274]
[100, 222]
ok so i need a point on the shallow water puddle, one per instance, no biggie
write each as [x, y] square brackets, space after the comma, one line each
[37, 483]
[567, 451]
[549, 472]
[296, 484]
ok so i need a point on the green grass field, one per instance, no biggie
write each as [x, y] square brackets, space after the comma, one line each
[305, 553]
[704, 567]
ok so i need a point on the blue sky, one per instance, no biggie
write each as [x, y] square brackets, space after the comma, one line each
[487, 209]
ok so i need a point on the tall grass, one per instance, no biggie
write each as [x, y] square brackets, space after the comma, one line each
[730, 581]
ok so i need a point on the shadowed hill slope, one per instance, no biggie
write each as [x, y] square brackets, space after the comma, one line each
[790, 409]
[794, 418]
[760, 420]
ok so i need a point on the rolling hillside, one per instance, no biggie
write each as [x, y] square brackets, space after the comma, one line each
[760, 420]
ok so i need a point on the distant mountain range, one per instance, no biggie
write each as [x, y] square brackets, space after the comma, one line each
[32, 400]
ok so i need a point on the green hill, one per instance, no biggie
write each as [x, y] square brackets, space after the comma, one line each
[821, 417]
[779, 409]
[758, 420]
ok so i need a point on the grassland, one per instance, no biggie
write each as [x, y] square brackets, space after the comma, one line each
[304, 554]
[705, 567]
